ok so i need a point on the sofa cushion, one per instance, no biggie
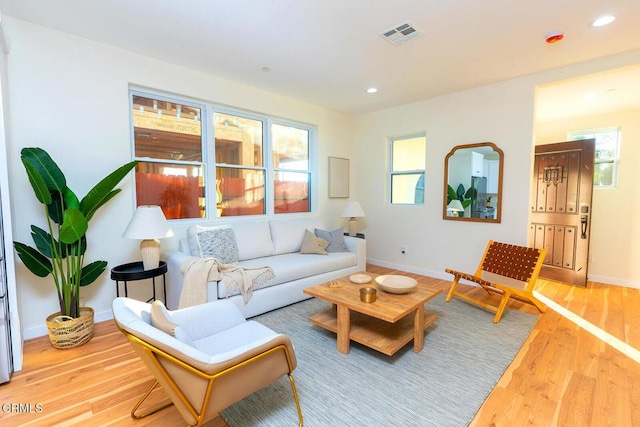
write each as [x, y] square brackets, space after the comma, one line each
[313, 245]
[290, 267]
[335, 239]
[253, 239]
[287, 235]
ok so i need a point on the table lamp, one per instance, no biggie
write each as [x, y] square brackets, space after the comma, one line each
[149, 224]
[352, 211]
[455, 207]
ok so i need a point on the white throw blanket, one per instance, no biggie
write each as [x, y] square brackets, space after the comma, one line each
[198, 271]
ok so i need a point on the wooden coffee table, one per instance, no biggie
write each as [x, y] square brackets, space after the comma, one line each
[385, 325]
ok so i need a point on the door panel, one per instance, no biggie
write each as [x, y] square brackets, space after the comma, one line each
[569, 247]
[560, 201]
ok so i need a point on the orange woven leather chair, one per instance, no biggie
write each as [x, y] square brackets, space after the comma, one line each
[505, 269]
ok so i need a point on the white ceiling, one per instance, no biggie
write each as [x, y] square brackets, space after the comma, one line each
[589, 95]
[327, 52]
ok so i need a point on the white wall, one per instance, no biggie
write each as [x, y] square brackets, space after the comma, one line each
[615, 233]
[502, 113]
[69, 96]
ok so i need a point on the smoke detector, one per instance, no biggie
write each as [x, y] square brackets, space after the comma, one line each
[401, 33]
[554, 37]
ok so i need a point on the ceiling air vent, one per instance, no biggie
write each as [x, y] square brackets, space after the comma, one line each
[401, 33]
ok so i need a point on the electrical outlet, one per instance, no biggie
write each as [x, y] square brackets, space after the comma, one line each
[403, 250]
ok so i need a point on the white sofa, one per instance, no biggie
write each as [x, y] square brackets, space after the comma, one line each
[273, 243]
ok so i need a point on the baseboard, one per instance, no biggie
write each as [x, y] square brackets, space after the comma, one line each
[431, 273]
[613, 281]
[41, 330]
[445, 276]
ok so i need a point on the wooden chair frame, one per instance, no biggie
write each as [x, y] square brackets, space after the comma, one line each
[514, 262]
[198, 413]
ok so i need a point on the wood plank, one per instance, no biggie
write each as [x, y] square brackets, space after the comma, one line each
[109, 377]
[374, 333]
[578, 411]
[388, 307]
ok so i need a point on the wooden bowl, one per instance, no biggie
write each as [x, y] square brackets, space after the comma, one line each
[395, 284]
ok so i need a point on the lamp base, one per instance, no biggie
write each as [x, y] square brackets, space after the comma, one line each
[353, 226]
[150, 252]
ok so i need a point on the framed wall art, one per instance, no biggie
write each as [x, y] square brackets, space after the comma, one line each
[338, 178]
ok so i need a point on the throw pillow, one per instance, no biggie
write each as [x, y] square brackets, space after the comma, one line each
[313, 245]
[220, 244]
[161, 318]
[335, 239]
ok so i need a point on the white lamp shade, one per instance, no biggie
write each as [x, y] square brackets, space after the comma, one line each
[148, 222]
[352, 210]
[455, 205]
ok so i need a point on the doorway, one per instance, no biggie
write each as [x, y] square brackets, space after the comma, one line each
[560, 217]
[592, 102]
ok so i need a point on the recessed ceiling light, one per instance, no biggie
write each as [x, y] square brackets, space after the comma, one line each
[372, 90]
[603, 20]
[591, 96]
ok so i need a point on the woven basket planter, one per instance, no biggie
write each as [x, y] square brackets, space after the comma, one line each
[67, 332]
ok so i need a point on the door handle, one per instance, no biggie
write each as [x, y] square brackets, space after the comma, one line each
[583, 224]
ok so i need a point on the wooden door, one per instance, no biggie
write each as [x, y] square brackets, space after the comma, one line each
[561, 208]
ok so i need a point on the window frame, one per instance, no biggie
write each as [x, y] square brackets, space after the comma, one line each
[392, 173]
[312, 164]
[615, 160]
[207, 112]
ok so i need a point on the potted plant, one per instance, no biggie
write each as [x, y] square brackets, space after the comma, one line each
[460, 194]
[60, 249]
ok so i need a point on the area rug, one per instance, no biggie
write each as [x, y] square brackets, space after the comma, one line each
[445, 384]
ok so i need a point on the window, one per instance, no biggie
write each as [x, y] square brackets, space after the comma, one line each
[407, 165]
[168, 144]
[291, 167]
[260, 165]
[240, 170]
[605, 173]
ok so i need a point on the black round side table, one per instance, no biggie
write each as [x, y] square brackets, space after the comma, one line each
[135, 271]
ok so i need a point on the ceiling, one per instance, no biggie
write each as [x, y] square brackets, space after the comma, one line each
[328, 52]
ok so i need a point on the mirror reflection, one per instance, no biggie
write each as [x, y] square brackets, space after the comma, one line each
[473, 183]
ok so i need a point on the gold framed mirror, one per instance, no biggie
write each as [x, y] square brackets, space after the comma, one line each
[473, 183]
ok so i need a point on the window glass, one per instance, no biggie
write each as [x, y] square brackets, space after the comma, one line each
[290, 147]
[408, 158]
[405, 189]
[166, 130]
[261, 166]
[291, 169]
[605, 171]
[239, 191]
[238, 140]
[168, 145]
[409, 154]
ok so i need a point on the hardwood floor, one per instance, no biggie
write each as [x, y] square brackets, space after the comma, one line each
[562, 376]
